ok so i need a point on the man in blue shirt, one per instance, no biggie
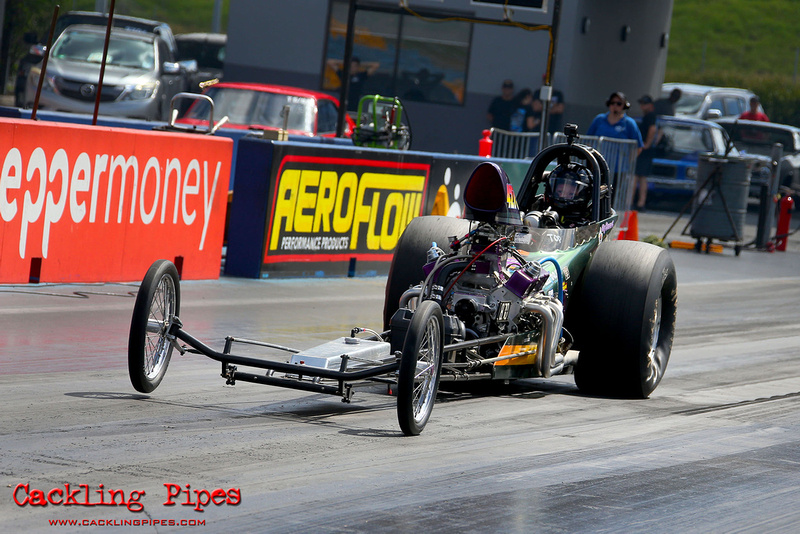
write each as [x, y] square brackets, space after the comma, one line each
[617, 124]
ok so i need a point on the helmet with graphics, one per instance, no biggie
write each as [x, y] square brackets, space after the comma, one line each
[568, 190]
[489, 196]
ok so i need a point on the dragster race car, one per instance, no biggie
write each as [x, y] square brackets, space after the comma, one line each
[520, 287]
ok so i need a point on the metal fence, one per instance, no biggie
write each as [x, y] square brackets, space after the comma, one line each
[516, 145]
[620, 154]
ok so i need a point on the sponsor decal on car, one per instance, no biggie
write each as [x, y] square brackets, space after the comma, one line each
[525, 345]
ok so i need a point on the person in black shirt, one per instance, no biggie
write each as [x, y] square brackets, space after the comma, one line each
[666, 106]
[522, 119]
[644, 161]
[502, 107]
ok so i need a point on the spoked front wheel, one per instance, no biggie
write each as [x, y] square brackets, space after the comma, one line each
[157, 305]
[420, 368]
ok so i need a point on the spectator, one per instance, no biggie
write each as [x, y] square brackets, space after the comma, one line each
[615, 123]
[522, 116]
[755, 114]
[666, 106]
[644, 162]
[556, 111]
[502, 107]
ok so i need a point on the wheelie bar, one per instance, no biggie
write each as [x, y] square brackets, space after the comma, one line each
[343, 389]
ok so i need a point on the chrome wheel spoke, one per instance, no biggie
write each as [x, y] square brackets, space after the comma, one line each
[425, 375]
[158, 323]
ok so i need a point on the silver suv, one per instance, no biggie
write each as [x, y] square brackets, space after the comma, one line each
[140, 78]
[71, 18]
[708, 102]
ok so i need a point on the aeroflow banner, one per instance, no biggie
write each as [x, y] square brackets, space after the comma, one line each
[89, 203]
[333, 209]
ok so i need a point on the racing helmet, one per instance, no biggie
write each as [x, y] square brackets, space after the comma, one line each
[568, 189]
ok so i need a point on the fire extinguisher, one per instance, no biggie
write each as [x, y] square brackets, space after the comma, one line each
[485, 145]
[784, 219]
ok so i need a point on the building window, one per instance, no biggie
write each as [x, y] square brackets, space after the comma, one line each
[398, 54]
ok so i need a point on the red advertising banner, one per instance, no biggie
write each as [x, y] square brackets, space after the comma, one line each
[97, 204]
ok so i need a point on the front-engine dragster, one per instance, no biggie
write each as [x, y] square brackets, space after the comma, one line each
[515, 289]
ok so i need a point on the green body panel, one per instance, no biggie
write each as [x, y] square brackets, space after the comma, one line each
[578, 246]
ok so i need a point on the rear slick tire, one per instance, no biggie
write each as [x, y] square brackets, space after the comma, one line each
[157, 304]
[627, 307]
[411, 254]
[420, 368]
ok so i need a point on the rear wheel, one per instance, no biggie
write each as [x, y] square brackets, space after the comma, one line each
[157, 305]
[627, 309]
[410, 255]
[420, 368]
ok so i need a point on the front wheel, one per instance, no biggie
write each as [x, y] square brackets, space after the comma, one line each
[420, 368]
[157, 306]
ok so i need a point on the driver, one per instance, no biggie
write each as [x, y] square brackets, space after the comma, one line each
[565, 189]
[567, 196]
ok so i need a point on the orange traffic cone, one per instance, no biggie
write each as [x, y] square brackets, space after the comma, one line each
[630, 226]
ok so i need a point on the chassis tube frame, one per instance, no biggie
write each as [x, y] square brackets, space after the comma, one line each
[229, 361]
[281, 366]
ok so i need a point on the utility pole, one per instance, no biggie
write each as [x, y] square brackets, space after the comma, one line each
[348, 57]
[546, 92]
[216, 21]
